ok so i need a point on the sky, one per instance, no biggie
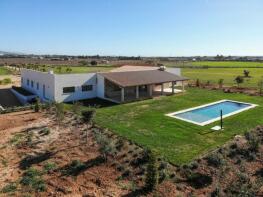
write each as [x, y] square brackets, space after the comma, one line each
[132, 27]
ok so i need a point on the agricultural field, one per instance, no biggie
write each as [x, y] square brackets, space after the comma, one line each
[177, 141]
[63, 69]
[82, 69]
[228, 74]
[216, 64]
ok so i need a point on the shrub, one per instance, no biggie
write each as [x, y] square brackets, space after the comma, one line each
[59, 111]
[33, 178]
[253, 141]
[11, 187]
[93, 63]
[36, 106]
[246, 73]
[214, 160]
[260, 87]
[45, 131]
[151, 180]
[88, 115]
[198, 180]
[239, 80]
[74, 168]
[76, 107]
[105, 146]
[49, 166]
[221, 83]
[197, 83]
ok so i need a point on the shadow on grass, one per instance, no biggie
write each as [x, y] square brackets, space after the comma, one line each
[208, 132]
[138, 192]
[28, 161]
[77, 167]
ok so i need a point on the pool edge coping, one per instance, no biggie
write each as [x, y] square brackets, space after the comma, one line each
[209, 104]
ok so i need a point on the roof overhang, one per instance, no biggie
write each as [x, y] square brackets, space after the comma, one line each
[137, 78]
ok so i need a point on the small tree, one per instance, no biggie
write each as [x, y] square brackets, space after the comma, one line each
[197, 83]
[246, 73]
[151, 180]
[76, 107]
[88, 115]
[68, 70]
[93, 63]
[220, 83]
[37, 107]
[260, 87]
[239, 80]
[59, 112]
[105, 145]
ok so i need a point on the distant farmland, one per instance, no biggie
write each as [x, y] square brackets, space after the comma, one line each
[216, 64]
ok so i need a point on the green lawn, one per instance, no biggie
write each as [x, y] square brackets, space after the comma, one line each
[228, 74]
[178, 141]
[4, 71]
[216, 64]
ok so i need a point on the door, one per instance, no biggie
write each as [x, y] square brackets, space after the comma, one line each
[44, 91]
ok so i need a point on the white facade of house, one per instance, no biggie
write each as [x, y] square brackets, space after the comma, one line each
[66, 87]
[51, 87]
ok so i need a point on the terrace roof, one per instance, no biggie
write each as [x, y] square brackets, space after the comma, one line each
[144, 77]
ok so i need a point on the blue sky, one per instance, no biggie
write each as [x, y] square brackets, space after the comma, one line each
[132, 27]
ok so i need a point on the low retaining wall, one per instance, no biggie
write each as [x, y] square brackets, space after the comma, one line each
[22, 98]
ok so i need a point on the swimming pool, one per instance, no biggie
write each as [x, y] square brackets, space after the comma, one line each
[206, 114]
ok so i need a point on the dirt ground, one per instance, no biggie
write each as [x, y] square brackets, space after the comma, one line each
[25, 145]
[67, 145]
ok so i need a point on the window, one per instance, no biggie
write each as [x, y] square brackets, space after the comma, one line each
[37, 85]
[32, 84]
[68, 89]
[27, 82]
[86, 88]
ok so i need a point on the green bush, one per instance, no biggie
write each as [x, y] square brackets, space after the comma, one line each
[45, 131]
[88, 115]
[11, 187]
[214, 160]
[33, 178]
[49, 166]
[151, 180]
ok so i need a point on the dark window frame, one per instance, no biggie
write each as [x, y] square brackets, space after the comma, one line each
[68, 90]
[86, 88]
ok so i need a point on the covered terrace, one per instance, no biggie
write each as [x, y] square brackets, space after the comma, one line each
[129, 86]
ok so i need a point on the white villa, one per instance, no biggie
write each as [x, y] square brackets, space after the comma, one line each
[124, 84]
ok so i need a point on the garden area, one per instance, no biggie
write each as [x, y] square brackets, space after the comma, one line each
[177, 141]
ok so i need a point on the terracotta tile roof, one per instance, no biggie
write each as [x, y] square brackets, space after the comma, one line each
[145, 77]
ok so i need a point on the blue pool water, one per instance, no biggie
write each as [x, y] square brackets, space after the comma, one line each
[210, 112]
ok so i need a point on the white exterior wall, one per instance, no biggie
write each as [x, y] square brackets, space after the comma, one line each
[100, 86]
[43, 79]
[76, 80]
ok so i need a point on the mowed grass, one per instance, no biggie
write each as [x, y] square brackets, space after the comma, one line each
[177, 141]
[4, 71]
[228, 74]
[220, 64]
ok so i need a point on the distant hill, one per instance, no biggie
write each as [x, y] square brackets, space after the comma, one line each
[10, 53]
